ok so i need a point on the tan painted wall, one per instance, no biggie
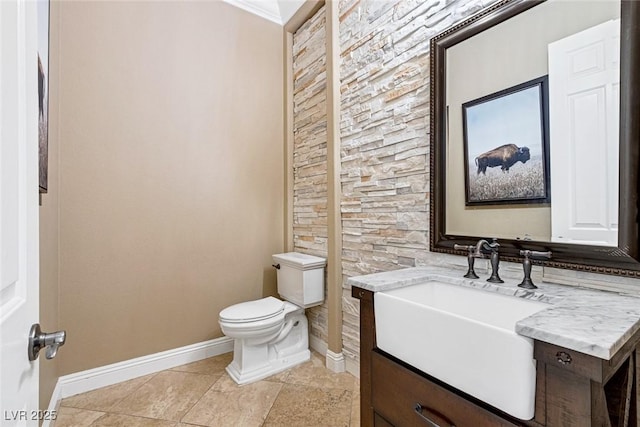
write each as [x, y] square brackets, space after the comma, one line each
[171, 173]
[49, 237]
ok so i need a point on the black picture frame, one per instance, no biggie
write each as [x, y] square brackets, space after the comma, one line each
[506, 146]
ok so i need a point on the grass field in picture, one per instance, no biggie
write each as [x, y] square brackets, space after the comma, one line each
[523, 181]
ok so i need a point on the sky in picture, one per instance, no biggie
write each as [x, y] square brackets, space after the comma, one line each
[43, 33]
[510, 119]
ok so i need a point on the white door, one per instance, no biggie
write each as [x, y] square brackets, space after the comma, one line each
[18, 211]
[584, 100]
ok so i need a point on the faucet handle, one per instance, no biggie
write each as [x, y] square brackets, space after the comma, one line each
[527, 283]
[471, 274]
[535, 254]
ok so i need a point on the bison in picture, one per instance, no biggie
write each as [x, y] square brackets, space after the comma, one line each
[504, 156]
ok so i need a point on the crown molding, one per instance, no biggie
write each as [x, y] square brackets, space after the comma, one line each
[257, 9]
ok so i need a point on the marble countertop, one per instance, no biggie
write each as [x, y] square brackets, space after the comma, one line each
[594, 322]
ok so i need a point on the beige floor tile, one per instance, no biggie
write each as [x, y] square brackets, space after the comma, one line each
[228, 404]
[225, 383]
[356, 384]
[211, 366]
[203, 394]
[317, 359]
[168, 395]
[315, 374]
[72, 417]
[118, 420]
[355, 409]
[299, 405]
[103, 399]
[279, 377]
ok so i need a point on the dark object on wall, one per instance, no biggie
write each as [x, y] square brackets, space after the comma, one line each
[520, 170]
[43, 94]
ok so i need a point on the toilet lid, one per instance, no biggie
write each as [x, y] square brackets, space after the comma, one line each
[253, 310]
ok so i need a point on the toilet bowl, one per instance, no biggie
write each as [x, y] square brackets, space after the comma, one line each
[265, 345]
[271, 335]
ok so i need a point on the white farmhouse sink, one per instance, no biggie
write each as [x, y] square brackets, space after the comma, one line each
[465, 337]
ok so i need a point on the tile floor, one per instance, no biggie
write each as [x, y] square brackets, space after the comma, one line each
[202, 394]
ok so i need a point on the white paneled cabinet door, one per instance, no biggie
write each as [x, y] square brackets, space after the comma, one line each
[584, 94]
[18, 211]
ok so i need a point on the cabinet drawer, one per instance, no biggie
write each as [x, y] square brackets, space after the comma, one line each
[405, 398]
[569, 360]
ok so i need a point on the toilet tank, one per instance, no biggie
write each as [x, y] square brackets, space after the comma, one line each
[300, 278]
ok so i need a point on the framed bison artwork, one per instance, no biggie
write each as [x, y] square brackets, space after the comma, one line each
[43, 92]
[506, 146]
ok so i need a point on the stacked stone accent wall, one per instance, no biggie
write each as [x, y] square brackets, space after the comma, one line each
[384, 129]
[310, 150]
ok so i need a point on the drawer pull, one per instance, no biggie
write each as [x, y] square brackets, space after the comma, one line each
[563, 358]
[420, 409]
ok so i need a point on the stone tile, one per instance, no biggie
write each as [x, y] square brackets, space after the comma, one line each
[280, 377]
[212, 366]
[355, 409]
[356, 384]
[72, 417]
[168, 395]
[118, 420]
[225, 384]
[317, 359]
[298, 405]
[228, 404]
[315, 374]
[103, 399]
[226, 380]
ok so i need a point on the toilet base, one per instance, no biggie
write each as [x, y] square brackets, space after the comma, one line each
[254, 360]
[265, 371]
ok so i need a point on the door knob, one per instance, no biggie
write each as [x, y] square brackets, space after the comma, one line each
[39, 340]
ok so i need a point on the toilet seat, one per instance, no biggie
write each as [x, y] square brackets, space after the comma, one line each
[253, 311]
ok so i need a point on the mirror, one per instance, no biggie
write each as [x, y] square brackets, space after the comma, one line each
[503, 104]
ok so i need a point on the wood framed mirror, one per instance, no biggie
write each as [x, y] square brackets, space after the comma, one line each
[619, 256]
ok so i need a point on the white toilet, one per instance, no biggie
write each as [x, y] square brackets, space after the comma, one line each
[271, 335]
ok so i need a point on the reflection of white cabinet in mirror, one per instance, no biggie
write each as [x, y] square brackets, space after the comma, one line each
[513, 52]
[584, 99]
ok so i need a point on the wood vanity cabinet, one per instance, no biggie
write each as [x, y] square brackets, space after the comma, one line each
[572, 388]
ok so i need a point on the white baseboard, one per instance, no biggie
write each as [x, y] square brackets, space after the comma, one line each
[335, 361]
[54, 404]
[318, 345]
[81, 382]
